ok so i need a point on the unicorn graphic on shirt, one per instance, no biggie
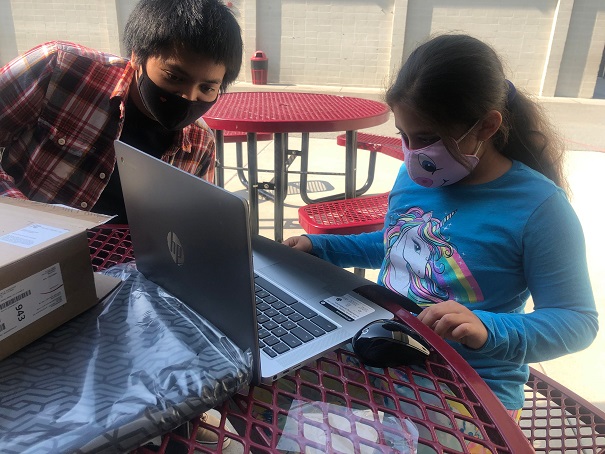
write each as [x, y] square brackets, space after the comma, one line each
[422, 263]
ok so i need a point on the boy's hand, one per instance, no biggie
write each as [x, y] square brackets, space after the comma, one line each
[300, 243]
[453, 321]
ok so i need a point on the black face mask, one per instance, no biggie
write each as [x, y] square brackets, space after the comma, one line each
[173, 112]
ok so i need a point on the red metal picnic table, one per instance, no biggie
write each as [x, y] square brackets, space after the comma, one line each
[282, 113]
[437, 398]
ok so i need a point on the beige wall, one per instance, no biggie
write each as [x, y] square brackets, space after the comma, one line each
[327, 43]
[582, 50]
[550, 47]
[123, 10]
[92, 23]
[520, 34]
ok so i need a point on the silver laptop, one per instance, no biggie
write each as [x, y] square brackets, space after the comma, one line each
[193, 239]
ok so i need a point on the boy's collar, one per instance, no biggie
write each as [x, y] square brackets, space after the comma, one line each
[123, 85]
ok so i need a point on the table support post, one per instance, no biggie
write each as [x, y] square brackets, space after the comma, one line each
[304, 167]
[280, 143]
[219, 172]
[350, 164]
[253, 183]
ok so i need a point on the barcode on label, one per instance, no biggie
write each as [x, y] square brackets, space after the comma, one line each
[14, 299]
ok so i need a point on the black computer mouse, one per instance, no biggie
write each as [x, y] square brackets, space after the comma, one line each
[387, 343]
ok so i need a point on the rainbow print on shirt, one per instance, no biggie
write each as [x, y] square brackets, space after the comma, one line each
[423, 264]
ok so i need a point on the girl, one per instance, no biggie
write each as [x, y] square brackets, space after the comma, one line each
[478, 219]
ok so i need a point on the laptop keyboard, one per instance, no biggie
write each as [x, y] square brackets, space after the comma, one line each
[283, 322]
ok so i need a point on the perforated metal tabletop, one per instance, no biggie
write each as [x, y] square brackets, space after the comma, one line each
[437, 398]
[294, 112]
[284, 113]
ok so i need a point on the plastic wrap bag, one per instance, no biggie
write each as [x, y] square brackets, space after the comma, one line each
[135, 366]
[317, 427]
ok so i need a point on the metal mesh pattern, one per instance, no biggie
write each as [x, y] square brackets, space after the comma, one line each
[357, 215]
[391, 146]
[239, 137]
[435, 398]
[109, 245]
[294, 112]
[438, 398]
[558, 421]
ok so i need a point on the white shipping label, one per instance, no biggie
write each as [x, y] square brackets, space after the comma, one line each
[30, 299]
[32, 235]
[348, 307]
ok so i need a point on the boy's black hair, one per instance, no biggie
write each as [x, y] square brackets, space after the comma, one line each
[206, 27]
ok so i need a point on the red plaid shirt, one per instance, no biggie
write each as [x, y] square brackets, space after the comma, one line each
[61, 108]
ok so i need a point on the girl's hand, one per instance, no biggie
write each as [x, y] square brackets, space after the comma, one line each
[300, 243]
[453, 321]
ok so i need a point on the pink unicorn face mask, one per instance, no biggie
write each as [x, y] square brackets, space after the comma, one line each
[433, 166]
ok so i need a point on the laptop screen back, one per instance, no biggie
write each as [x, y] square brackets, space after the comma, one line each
[192, 238]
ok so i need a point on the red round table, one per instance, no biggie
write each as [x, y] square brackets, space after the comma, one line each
[282, 113]
[437, 397]
[554, 418]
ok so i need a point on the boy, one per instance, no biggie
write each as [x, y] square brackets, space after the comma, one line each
[63, 105]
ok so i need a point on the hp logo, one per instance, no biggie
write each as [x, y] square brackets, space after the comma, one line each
[175, 248]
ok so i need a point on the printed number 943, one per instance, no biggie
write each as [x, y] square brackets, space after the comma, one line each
[20, 312]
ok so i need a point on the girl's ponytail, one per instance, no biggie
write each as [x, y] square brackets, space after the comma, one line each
[526, 135]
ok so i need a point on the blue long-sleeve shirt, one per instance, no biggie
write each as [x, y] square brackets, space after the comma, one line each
[487, 246]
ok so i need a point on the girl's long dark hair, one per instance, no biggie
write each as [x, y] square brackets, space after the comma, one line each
[454, 80]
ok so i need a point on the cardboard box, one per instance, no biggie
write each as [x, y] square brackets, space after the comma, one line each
[46, 277]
